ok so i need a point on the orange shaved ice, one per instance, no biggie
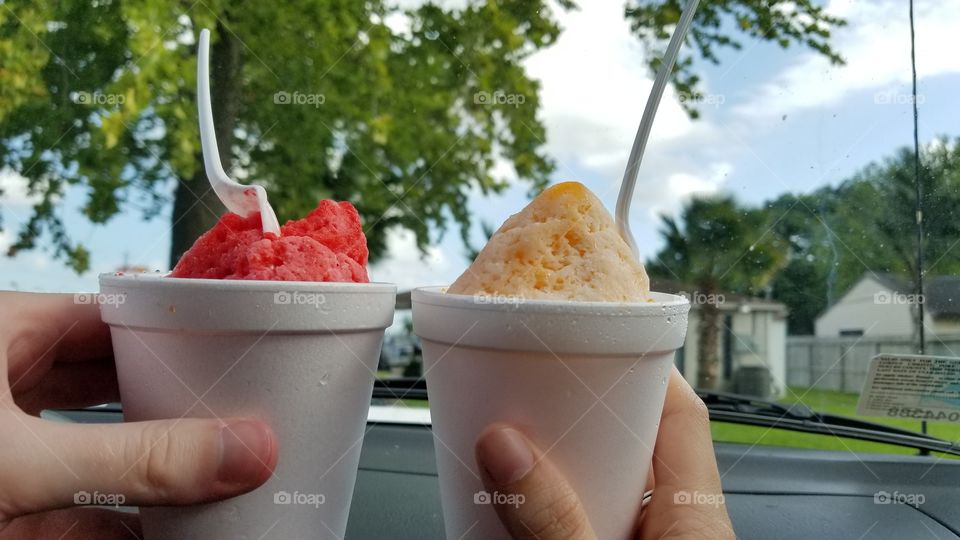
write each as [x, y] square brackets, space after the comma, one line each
[563, 246]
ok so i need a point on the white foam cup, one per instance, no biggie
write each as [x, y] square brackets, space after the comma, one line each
[585, 381]
[301, 356]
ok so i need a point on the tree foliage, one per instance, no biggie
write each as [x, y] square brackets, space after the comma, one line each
[313, 98]
[868, 224]
[829, 238]
[394, 110]
[785, 22]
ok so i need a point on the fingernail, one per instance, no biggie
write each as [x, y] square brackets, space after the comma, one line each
[246, 452]
[505, 455]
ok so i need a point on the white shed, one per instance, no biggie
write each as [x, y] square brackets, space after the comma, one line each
[753, 334]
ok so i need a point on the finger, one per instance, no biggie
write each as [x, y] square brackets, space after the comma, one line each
[71, 386]
[688, 498]
[168, 462]
[74, 524]
[531, 497]
[48, 328]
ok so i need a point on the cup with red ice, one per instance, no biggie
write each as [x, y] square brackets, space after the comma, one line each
[286, 329]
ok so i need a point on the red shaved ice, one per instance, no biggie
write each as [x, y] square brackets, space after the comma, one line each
[327, 245]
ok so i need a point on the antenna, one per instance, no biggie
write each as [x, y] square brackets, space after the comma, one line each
[921, 345]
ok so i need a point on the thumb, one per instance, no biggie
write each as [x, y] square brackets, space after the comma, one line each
[168, 462]
[531, 497]
[688, 498]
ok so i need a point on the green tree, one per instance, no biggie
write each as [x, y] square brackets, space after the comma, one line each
[718, 247]
[312, 98]
[101, 96]
[877, 213]
[805, 282]
[867, 223]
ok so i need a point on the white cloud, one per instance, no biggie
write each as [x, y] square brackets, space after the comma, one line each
[683, 185]
[876, 47]
[595, 84]
[39, 260]
[407, 267]
[594, 87]
[14, 187]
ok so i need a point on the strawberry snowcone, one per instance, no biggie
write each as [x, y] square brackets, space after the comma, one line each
[273, 327]
[327, 245]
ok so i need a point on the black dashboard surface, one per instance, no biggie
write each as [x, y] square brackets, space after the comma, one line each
[770, 492]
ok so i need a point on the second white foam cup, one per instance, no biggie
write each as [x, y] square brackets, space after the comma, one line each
[301, 356]
[585, 381]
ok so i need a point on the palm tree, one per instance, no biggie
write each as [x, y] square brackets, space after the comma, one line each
[718, 247]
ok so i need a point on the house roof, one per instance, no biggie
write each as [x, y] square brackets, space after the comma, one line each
[941, 293]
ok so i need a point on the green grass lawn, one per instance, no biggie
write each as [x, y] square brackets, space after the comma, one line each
[840, 403]
[416, 403]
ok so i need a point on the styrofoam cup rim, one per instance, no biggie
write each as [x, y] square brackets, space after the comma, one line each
[163, 280]
[660, 303]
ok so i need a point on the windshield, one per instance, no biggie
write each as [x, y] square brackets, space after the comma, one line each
[784, 191]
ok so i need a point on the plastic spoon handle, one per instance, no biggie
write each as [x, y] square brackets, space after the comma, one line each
[646, 124]
[239, 199]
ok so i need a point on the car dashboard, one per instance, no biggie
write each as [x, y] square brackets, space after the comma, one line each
[770, 492]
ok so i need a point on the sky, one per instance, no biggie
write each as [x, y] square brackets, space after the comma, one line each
[774, 121]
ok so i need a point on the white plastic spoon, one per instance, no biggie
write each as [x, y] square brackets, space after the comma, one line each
[238, 198]
[646, 123]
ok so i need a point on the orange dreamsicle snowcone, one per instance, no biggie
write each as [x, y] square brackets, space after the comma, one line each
[563, 246]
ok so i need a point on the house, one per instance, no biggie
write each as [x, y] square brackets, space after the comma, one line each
[752, 342]
[882, 304]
